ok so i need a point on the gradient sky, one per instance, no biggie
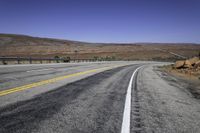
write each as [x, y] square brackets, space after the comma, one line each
[104, 20]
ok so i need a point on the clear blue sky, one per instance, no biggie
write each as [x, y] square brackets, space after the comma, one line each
[104, 20]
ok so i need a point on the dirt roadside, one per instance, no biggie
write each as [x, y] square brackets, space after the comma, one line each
[191, 81]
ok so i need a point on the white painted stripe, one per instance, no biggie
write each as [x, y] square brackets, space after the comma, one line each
[127, 109]
[40, 70]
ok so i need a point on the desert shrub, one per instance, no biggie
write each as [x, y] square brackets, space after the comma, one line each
[4, 62]
[96, 58]
[113, 58]
[66, 59]
[57, 57]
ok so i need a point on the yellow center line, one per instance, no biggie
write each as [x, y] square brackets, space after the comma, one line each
[44, 82]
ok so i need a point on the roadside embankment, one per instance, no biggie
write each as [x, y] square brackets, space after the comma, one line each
[187, 71]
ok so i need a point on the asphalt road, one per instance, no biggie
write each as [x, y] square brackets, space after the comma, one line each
[106, 97]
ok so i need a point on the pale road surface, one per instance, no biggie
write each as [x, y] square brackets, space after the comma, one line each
[99, 97]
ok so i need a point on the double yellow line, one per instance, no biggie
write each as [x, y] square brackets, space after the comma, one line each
[44, 82]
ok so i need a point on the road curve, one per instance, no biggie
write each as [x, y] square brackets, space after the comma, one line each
[22, 82]
[93, 104]
[97, 102]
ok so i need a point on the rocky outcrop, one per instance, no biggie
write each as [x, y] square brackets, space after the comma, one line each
[190, 63]
[189, 68]
[197, 64]
[193, 60]
[179, 64]
[187, 64]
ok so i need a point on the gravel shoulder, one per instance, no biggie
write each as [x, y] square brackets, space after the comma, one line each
[190, 81]
[166, 104]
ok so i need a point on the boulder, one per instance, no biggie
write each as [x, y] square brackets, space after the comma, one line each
[179, 64]
[197, 64]
[187, 64]
[193, 60]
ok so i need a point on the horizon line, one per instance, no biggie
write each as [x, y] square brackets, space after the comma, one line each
[91, 42]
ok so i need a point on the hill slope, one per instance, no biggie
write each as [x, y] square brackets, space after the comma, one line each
[21, 45]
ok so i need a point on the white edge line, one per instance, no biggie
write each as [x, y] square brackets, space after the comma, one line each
[127, 109]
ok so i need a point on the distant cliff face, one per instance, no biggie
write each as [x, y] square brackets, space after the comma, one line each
[20, 45]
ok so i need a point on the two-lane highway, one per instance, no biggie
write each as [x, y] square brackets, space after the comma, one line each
[107, 97]
[92, 104]
[42, 78]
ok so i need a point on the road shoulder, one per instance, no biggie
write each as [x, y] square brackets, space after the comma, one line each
[190, 82]
[166, 106]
